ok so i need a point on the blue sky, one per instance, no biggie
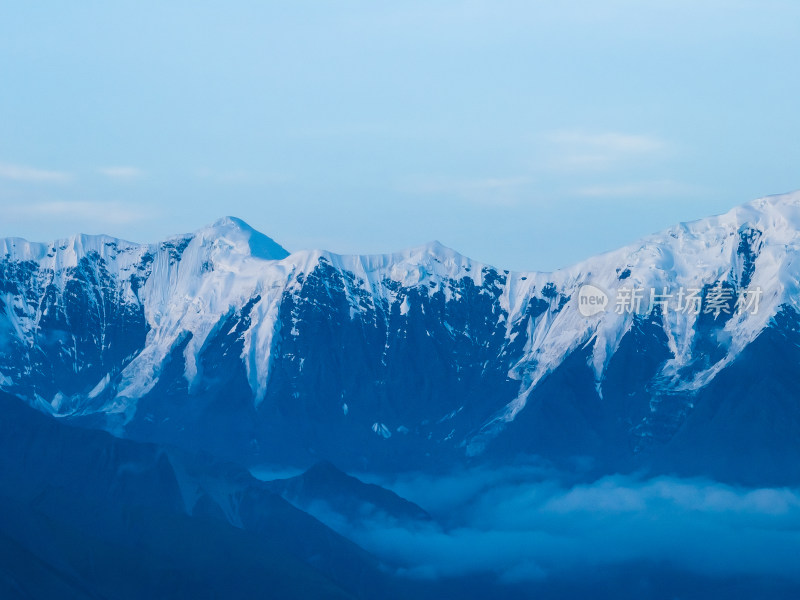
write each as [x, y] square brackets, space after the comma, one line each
[525, 134]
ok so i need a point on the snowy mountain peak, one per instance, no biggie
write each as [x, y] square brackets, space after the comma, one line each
[243, 238]
[777, 212]
[439, 251]
[436, 247]
[788, 200]
[230, 221]
[127, 318]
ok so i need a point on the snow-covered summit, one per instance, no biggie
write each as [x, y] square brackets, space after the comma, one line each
[753, 247]
[242, 238]
[62, 302]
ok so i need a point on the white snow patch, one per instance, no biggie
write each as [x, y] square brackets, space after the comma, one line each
[382, 430]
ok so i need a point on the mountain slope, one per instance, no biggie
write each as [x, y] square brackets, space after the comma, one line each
[327, 489]
[101, 517]
[221, 341]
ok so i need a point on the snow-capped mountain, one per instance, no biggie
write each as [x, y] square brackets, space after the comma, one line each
[222, 340]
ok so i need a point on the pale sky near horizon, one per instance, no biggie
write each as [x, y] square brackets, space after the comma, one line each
[528, 135]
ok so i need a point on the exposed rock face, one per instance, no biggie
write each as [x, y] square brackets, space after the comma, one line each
[223, 341]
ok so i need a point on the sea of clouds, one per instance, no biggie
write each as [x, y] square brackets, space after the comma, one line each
[524, 525]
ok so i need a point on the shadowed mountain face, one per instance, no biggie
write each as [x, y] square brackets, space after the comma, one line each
[325, 488]
[376, 388]
[139, 383]
[744, 427]
[65, 329]
[222, 342]
[95, 517]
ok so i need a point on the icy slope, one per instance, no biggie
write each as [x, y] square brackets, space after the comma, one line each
[423, 344]
[752, 247]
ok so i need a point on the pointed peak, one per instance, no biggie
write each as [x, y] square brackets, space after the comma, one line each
[436, 245]
[230, 222]
[324, 467]
[235, 229]
[790, 199]
[436, 248]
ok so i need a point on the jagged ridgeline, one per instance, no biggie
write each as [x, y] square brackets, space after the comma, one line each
[223, 341]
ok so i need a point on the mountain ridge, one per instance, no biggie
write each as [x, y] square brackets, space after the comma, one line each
[423, 344]
[788, 200]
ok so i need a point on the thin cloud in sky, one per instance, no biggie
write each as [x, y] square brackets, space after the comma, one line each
[485, 190]
[663, 187]
[611, 141]
[577, 150]
[122, 173]
[243, 177]
[32, 174]
[96, 213]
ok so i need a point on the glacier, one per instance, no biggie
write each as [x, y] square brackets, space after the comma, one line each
[145, 339]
